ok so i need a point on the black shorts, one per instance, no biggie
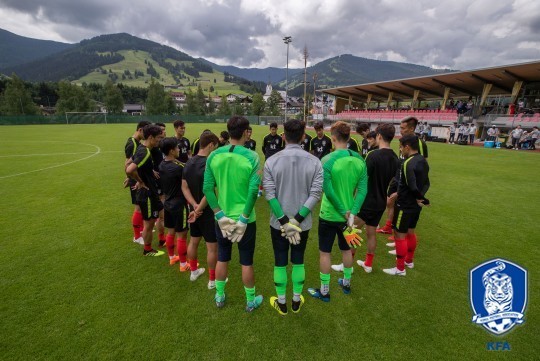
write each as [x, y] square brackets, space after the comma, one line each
[405, 219]
[176, 219]
[371, 218]
[150, 207]
[281, 248]
[327, 234]
[246, 247]
[205, 226]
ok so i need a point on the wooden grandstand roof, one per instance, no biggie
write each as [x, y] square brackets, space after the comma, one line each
[462, 84]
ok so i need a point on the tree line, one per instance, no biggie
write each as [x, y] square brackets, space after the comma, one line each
[18, 97]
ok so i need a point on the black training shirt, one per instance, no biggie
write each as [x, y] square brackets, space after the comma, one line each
[131, 147]
[413, 182]
[306, 143]
[183, 145]
[145, 168]
[272, 144]
[250, 144]
[170, 175]
[321, 147]
[382, 165]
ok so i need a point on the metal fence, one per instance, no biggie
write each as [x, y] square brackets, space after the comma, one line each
[114, 119]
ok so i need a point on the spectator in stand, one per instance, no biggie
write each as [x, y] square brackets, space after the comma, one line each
[470, 106]
[418, 130]
[535, 134]
[525, 140]
[452, 104]
[426, 131]
[472, 133]
[516, 135]
[452, 130]
[460, 108]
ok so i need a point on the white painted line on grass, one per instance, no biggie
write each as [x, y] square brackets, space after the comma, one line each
[98, 151]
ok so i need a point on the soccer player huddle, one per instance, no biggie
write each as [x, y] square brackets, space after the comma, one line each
[212, 193]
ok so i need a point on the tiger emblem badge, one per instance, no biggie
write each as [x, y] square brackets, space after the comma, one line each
[498, 294]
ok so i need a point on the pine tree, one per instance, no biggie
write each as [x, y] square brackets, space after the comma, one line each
[17, 99]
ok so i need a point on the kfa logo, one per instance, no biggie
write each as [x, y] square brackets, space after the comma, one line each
[277, 141]
[498, 293]
[324, 143]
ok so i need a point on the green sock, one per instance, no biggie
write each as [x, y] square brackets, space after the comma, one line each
[347, 272]
[250, 293]
[220, 288]
[298, 277]
[325, 283]
[280, 280]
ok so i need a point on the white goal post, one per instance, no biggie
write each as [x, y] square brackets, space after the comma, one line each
[86, 118]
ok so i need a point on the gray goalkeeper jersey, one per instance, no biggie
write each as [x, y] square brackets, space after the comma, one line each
[295, 178]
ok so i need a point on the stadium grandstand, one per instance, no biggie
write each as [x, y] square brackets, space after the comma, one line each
[504, 96]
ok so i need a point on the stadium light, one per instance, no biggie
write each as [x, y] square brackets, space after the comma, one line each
[287, 40]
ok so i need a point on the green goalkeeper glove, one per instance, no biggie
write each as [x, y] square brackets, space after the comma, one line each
[352, 236]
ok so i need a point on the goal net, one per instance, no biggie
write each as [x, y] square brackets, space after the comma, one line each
[86, 118]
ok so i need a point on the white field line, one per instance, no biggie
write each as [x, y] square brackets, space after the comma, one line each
[98, 151]
[51, 154]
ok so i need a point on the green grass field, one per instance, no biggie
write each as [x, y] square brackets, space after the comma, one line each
[74, 286]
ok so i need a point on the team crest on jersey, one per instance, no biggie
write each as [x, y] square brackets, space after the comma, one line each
[324, 143]
[277, 141]
[498, 294]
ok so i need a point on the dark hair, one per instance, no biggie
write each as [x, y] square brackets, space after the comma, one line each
[371, 135]
[236, 126]
[178, 123]
[142, 124]
[294, 130]
[208, 138]
[273, 125]
[249, 128]
[318, 125]
[151, 130]
[411, 122]
[225, 135]
[387, 132]
[159, 124]
[360, 128]
[341, 130]
[411, 140]
[168, 144]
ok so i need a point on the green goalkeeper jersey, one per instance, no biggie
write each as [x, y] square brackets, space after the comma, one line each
[344, 186]
[231, 172]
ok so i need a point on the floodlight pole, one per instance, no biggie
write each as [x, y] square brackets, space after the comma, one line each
[287, 40]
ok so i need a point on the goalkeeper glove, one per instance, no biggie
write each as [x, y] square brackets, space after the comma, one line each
[291, 231]
[352, 236]
[226, 225]
[239, 230]
[350, 220]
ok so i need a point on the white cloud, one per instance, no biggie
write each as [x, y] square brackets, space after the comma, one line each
[460, 34]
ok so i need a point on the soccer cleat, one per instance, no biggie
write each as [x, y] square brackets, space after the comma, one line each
[392, 239]
[211, 285]
[297, 305]
[391, 244]
[174, 260]
[195, 274]
[139, 240]
[384, 230]
[153, 253]
[394, 272]
[252, 305]
[281, 308]
[316, 293]
[346, 289]
[362, 264]
[220, 300]
[392, 252]
[185, 268]
[409, 265]
[338, 267]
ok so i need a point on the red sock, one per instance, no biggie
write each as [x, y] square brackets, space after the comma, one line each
[212, 273]
[162, 238]
[181, 248]
[388, 223]
[137, 222]
[169, 241]
[401, 252]
[411, 247]
[193, 264]
[147, 247]
[369, 259]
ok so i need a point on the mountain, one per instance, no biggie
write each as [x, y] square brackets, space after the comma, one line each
[16, 50]
[348, 69]
[265, 75]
